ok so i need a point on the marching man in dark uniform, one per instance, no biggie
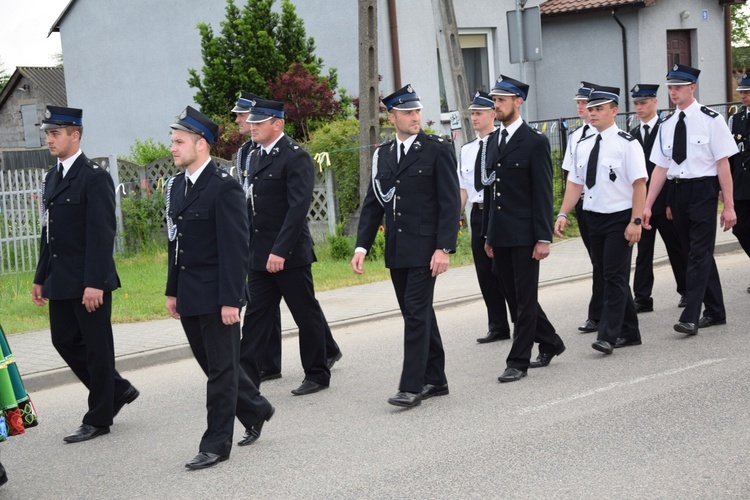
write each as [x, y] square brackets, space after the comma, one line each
[644, 101]
[739, 124]
[208, 259]
[518, 224]
[693, 149]
[610, 171]
[415, 186]
[471, 160]
[270, 368]
[278, 187]
[76, 271]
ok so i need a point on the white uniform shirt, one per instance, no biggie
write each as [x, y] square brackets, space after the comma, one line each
[573, 142]
[617, 155]
[708, 140]
[466, 163]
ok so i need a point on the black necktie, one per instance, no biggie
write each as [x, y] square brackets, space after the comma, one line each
[585, 129]
[263, 154]
[645, 133]
[403, 153]
[679, 152]
[593, 161]
[478, 169]
[503, 141]
[189, 187]
[59, 173]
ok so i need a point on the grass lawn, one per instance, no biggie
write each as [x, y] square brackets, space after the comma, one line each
[143, 278]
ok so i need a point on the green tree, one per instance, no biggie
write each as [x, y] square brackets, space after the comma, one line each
[255, 45]
[740, 36]
[4, 75]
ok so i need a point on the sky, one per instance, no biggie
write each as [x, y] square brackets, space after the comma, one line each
[24, 25]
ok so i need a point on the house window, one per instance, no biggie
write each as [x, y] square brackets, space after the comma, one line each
[476, 49]
[31, 136]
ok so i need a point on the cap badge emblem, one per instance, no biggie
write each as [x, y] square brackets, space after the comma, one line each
[675, 68]
[636, 89]
[183, 115]
[409, 89]
[47, 114]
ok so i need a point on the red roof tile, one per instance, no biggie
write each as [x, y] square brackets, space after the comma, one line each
[553, 7]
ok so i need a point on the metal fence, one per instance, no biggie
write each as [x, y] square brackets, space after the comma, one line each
[20, 230]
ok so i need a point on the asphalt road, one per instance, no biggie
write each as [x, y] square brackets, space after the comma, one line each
[668, 419]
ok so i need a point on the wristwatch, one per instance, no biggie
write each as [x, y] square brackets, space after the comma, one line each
[636, 221]
[447, 250]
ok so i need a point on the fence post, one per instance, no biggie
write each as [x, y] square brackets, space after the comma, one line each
[115, 173]
[330, 201]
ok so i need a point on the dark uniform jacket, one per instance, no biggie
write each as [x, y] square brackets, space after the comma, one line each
[740, 163]
[424, 217]
[660, 204]
[282, 188]
[518, 204]
[211, 243]
[81, 232]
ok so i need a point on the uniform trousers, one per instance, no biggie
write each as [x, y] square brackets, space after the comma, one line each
[489, 281]
[272, 358]
[613, 255]
[424, 357]
[266, 291]
[643, 279]
[742, 229]
[597, 283]
[229, 391]
[84, 340]
[519, 273]
[694, 210]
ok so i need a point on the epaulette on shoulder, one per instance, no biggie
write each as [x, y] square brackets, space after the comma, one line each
[436, 138]
[710, 112]
[625, 135]
[221, 172]
[666, 117]
[92, 165]
[537, 131]
[386, 143]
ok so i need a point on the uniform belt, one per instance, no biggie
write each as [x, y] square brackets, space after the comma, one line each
[677, 180]
[480, 206]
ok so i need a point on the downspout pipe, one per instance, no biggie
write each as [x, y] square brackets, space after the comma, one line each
[395, 54]
[626, 90]
[730, 83]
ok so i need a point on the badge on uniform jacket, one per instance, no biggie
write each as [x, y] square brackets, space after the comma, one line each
[612, 175]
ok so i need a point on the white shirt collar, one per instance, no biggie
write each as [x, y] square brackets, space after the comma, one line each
[270, 146]
[407, 143]
[67, 163]
[510, 128]
[194, 176]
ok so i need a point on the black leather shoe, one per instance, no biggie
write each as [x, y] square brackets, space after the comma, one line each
[686, 328]
[644, 306]
[603, 346]
[86, 432]
[406, 399]
[308, 387]
[589, 326]
[626, 342]
[204, 460]
[430, 390]
[253, 433]
[127, 397]
[683, 301]
[494, 337]
[511, 375]
[332, 360]
[3, 475]
[748, 289]
[265, 376]
[544, 358]
[707, 321]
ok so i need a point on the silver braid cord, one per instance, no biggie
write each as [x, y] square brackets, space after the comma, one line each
[486, 179]
[171, 226]
[43, 213]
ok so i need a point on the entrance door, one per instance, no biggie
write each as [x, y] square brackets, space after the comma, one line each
[678, 50]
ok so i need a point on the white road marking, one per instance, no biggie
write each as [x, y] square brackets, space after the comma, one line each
[615, 385]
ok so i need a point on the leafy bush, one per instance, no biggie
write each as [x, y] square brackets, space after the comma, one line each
[141, 217]
[144, 152]
[340, 138]
[377, 250]
[341, 247]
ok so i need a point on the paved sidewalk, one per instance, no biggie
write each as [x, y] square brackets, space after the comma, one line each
[144, 344]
